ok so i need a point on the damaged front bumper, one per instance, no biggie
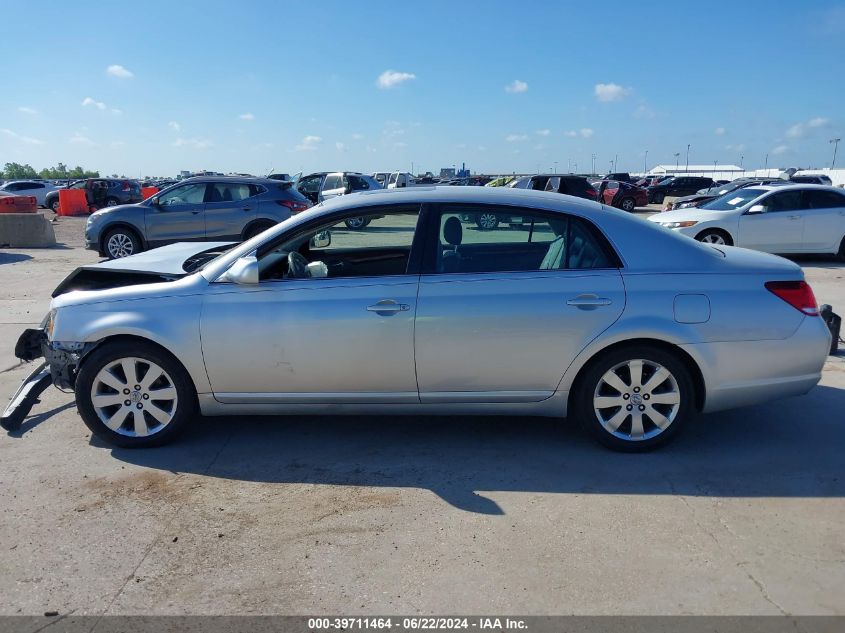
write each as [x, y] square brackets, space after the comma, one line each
[59, 368]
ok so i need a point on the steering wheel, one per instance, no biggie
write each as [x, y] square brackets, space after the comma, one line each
[297, 266]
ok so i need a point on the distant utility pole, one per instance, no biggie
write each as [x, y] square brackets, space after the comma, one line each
[412, 168]
[766, 165]
[555, 166]
[676, 160]
[615, 162]
[688, 146]
[593, 172]
[835, 142]
[645, 162]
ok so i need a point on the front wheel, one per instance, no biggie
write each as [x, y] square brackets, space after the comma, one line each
[121, 242]
[634, 399]
[628, 204]
[355, 224]
[134, 395]
[716, 237]
[112, 202]
[842, 250]
[54, 206]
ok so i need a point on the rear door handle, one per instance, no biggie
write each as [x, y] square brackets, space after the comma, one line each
[388, 306]
[588, 302]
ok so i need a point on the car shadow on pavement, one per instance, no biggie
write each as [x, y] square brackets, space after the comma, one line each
[791, 448]
[12, 258]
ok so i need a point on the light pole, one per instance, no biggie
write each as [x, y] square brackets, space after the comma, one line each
[576, 167]
[688, 146]
[835, 142]
[766, 165]
[645, 163]
[555, 166]
[676, 160]
[615, 162]
[593, 172]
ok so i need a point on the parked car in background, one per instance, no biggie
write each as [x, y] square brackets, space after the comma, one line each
[381, 177]
[203, 208]
[500, 181]
[11, 202]
[279, 177]
[400, 179]
[112, 191]
[622, 195]
[677, 186]
[785, 219]
[321, 186]
[618, 176]
[523, 182]
[811, 179]
[569, 318]
[651, 180]
[711, 193]
[38, 189]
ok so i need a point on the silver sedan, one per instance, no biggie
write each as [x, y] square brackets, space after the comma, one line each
[578, 311]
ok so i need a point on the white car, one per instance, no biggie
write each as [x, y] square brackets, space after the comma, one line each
[774, 219]
[399, 179]
[29, 188]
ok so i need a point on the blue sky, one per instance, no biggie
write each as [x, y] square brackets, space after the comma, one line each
[502, 86]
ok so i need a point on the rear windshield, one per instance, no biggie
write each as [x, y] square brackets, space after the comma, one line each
[733, 200]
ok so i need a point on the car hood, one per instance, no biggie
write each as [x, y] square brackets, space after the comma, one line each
[688, 214]
[160, 264]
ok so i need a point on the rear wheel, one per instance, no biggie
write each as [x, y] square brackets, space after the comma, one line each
[54, 205]
[715, 236]
[628, 204]
[634, 399]
[112, 202]
[842, 250]
[255, 229]
[134, 395]
[355, 224]
[121, 242]
[487, 221]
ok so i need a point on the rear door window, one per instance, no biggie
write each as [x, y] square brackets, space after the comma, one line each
[228, 192]
[333, 181]
[822, 200]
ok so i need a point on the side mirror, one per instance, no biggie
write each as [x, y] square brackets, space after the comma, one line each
[757, 208]
[243, 271]
[323, 239]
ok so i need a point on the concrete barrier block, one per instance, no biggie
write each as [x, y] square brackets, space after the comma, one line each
[26, 230]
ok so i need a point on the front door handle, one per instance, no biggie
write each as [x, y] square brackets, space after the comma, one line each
[388, 306]
[247, 208]
[588, 302]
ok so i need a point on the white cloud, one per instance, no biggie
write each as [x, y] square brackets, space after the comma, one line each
[513, 138]
[539, 146]
[400, 145]
[543, 132]
[19, 137]
[800, 129]
[719, 131]
[116, 70]
[461, 146]
[88, 101]
[516, 86]
[340, 146]
[571, 133]
[309, 143]
[643, 112]
[80, 139]
[390, 78]
[173, 125]
[196, 143]
[247, 116]
[357, 137]
[586, 132]
[482, 148]
[735, 148]
[780, 149]
[117, 144]
[27, 110]
[116, 111]
[610, 92]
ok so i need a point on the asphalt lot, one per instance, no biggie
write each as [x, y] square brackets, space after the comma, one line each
[743, 514]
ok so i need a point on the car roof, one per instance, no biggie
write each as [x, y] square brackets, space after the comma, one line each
[797, 185]
[247, 179]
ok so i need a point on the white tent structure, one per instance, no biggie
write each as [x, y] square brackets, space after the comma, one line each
[716, 172]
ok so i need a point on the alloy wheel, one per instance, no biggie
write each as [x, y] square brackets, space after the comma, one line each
[134, 397]
[628, 204]
[713, 238]
[355, 223]
[120, 245]
[637, 400]
[488, 221]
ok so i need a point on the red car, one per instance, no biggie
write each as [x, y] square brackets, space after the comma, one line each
[622, 195]
[10, 203]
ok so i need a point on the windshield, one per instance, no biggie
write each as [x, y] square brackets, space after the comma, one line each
[733, 200]
[665, 181]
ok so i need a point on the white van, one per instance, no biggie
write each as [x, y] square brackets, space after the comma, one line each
[399, 179]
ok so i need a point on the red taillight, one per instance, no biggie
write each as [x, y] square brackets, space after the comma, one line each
[295, 206]
[798, 294]
[592, 193]
[8, 200]
[125, 186]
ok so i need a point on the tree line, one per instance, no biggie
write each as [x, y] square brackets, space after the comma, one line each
[16, 171]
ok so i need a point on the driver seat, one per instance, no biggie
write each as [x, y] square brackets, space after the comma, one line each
[453, 233]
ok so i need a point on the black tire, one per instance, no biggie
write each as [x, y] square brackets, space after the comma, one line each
[184, 409]
[628, 204]
[129, 238]
[111, 202]
[589, 384]
[356, 223]
[715, 236]
[255, 229]
[842, 250]
[54, 206]
[487, 221]
[659, 198]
